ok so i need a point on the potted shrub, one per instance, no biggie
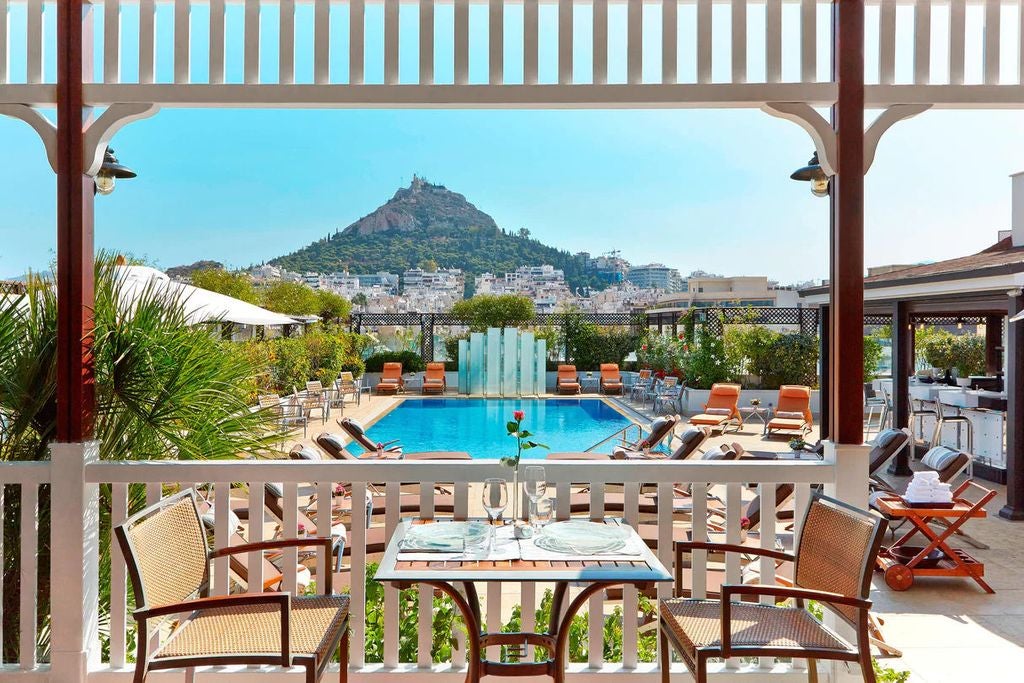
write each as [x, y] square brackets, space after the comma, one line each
[940, 353]
[968, 358]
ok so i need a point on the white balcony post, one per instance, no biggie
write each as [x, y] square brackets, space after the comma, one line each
[74, 563]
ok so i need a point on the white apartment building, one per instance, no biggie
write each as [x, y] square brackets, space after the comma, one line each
[655, 276]
[709, 291]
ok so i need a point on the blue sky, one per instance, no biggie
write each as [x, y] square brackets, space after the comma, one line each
[695, 189]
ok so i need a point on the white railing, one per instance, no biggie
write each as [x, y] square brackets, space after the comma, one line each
[167, 45]
[219, 479]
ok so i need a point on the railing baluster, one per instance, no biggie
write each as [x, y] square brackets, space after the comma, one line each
[563, 499]
[922, 42]
[111, 40]
[565, 41]
[222, 536]
[801, 500]
[392, 499]
[595, 607]
[357, 648]
[322, 41]
[426, 42]
[324, 520]
[704, 8]
[147, 40]
[808, 41]
[528, 594]
[182, 9]
[666, 546]
[461, 28]
[991, 55]
[767, 493]
[34, 41]
[391, 38]
[733, 512]
[887, 43]
[216, 42]
[739, 41]
[699, 558]
[289, 526]
[773, 41]
[530, 41]
[957, 27]
[251, 56]
[631, 514]
[600, 42]
[256, 516]
[496, 41]
[426, 613]
[29, 574]
[286, 43]
[118, 583]
[356, 30]
[634, 41]
[669, 41]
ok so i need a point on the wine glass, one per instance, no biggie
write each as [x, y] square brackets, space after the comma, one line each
[495, 497]
[541, 513]
[535, 482]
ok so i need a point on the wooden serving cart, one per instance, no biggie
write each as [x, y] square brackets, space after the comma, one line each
[901, 562]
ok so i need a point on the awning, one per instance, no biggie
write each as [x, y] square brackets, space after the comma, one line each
[201, 305]
[1018, 317]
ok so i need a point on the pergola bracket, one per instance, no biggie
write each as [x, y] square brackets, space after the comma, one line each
[101, 131]
[820, 130]
[886, 120]
[45, 128]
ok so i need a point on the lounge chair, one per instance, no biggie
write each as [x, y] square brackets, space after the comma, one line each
[611, 379]
[434, 379]
[391, 381]
[887, 445]
[836, 575]
[567, 381]
[357, 433]
[661, 429]
[722, 409]
[793, 413]
[690, 441]
[168, 560]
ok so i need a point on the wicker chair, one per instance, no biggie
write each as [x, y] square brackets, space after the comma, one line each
[834, 561]
[168, 561]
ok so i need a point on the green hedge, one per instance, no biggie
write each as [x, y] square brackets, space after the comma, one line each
[411, 362]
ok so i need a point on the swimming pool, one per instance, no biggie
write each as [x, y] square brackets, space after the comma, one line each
[477, 425]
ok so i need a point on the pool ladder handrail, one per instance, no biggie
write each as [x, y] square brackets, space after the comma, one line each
[620, 433]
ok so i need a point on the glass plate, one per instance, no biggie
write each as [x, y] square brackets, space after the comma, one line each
[443, 536]
[579, 537]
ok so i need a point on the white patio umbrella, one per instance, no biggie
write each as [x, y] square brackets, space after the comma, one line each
[201, 305]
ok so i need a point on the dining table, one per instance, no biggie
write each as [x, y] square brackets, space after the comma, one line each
[511, 560]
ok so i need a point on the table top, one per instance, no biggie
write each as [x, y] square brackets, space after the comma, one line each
[647, 569]
[895, 507]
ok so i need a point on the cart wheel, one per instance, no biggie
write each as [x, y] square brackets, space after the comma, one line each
[899, 577]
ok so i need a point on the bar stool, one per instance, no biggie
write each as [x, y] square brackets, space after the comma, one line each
[959, 419]
[875, 403]
[920, 409]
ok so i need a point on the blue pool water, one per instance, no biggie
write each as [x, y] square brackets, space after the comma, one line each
[477, 425]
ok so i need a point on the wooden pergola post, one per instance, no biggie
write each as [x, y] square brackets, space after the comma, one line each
[902, 368]
[75, 286]
[1014, 383]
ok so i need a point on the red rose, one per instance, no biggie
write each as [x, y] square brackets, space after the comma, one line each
[643, 347]
[518, 415]
[681, 335]
[380, 446]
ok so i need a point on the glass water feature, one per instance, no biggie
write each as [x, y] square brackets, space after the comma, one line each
[502, 363]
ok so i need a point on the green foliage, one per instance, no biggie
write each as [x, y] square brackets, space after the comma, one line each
[291, 298]
[333, 306]
[969, 355]
[588, 345]
[662, 353]
[887, 674]
[494, 310]
[794, 360]
[872, 356]
[411, 361]
[235, 285]
[706, 361]
[936, 346]
[749, 349]
[360, 299]
[514, 427]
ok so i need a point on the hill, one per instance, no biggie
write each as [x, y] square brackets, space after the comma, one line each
[429, 224]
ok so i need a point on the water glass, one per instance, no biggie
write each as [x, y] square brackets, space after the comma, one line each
[535, 482]
[495, 497]
[541, 512]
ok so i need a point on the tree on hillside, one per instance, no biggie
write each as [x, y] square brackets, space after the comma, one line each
[236, 285]
[489, 310]
[332, 306]
[360, 299]
[291, 298]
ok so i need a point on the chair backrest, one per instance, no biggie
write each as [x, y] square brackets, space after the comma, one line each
[347, 379]
[165, 549]
[300, 452]
[314, 386]
[795, 398]
[783, 492]
[333, 446]
[661, 428]
[610, 372]
[356, 431]
[724, 396]
[670, 382]
[435, 371]
[644, 375]
[723, 452]
[692, 439]
[887, 444]
[391, 371]
[566, 373]
[837, 551]
[946, 461]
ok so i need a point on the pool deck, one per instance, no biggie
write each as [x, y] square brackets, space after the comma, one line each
[948, 629]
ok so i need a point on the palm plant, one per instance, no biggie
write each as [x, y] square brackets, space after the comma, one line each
[164, 390]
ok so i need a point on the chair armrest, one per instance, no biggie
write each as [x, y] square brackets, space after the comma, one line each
[327, 543]
[684, 546]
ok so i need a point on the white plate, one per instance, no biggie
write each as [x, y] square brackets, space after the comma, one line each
[443, 537]
[580, 537]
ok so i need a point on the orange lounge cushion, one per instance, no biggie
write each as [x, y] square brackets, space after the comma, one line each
[786, 423]
[705, 419]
